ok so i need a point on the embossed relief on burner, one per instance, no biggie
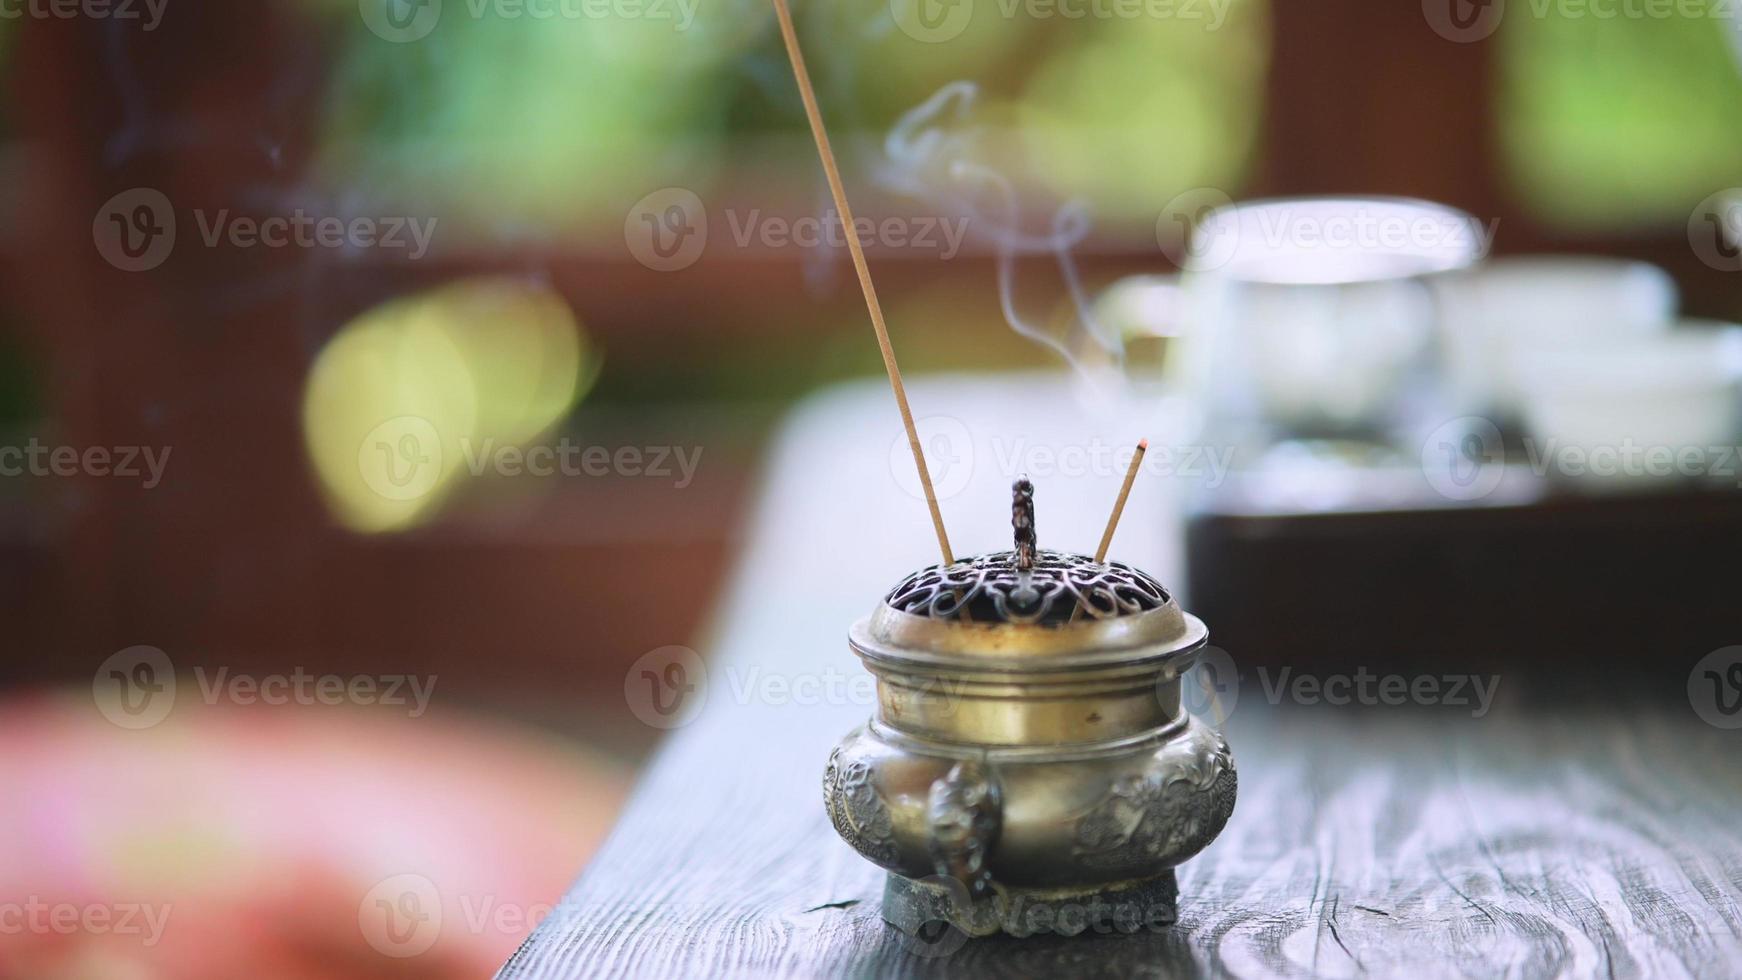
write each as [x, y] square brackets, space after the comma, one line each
[856, 810]
[1170, 811]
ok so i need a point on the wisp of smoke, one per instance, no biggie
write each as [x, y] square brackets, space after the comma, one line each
[934, 153]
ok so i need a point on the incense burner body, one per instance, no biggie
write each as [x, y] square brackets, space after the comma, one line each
[1029, 767]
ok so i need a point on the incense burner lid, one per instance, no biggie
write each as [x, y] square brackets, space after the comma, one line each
[994, 588]
[1065, 611]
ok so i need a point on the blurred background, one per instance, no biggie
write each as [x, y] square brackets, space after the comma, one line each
[439, 348]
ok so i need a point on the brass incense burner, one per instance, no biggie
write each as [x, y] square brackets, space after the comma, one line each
[1029, 768]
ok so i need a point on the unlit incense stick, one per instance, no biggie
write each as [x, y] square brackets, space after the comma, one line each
[839, 193]
[1118, 510]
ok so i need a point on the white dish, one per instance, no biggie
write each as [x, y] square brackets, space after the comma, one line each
[1498, 314]
[1663, 406]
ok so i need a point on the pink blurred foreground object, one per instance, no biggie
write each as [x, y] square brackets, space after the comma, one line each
[284, 843]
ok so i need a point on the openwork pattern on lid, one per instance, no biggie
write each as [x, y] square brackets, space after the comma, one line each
[993, 589]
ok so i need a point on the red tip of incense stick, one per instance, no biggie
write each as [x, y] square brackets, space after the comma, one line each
[1143, 444]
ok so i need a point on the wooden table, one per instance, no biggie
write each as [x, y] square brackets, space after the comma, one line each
[1538, 840]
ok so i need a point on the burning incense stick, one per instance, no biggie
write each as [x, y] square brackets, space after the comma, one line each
[840, 194]
[1119, 505]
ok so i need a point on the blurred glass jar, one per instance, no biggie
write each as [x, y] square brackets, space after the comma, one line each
[1308, 317]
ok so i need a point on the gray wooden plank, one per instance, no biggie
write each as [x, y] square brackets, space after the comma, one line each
[1381, 841]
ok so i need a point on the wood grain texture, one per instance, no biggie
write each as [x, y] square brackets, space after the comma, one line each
[1386, 841]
